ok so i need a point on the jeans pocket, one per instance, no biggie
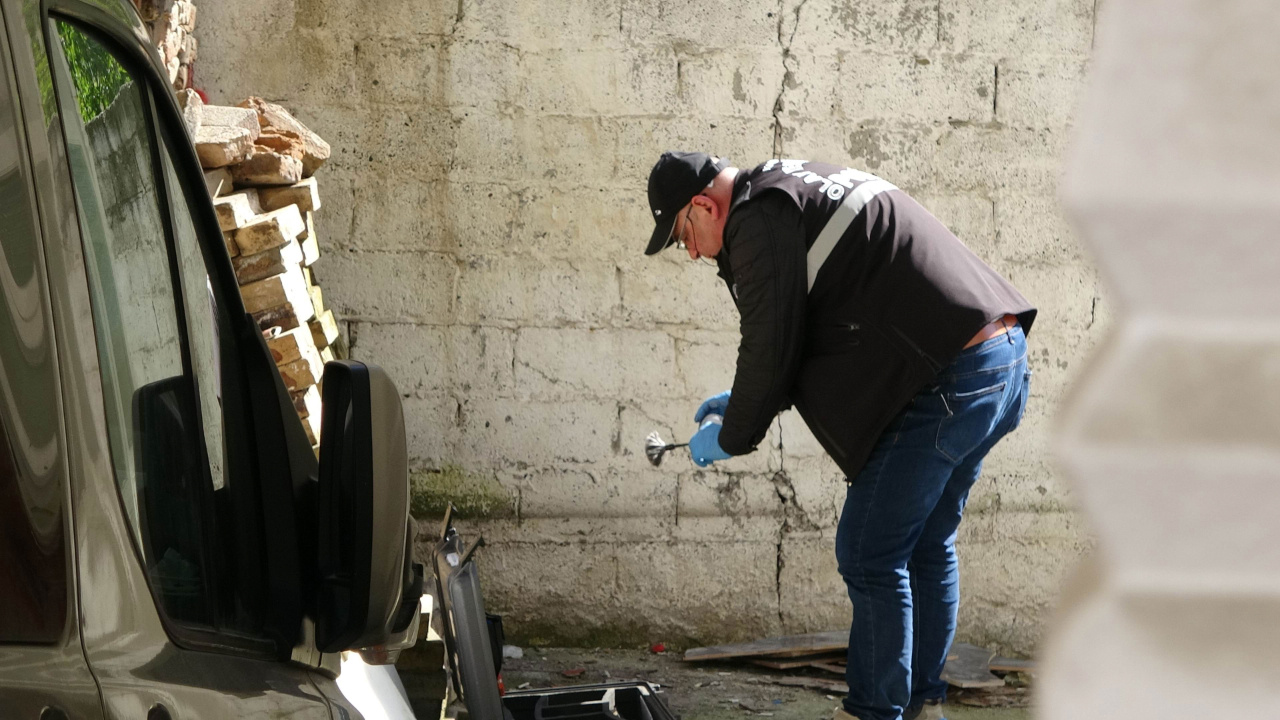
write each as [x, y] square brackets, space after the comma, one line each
[1022, 400]
[971, 417]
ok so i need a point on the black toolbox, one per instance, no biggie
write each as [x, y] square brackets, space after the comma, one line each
[473, 647]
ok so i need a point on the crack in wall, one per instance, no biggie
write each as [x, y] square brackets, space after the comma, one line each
[788, 69]
[616, 442]
[794, 518]
[353, 334]
[457, 19]
[778, 580]
[937, 14]
[1093, 36]
[995, 95]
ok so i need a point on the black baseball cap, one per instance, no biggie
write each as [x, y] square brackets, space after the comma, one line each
[674, 180]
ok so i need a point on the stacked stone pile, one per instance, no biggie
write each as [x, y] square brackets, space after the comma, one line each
[258, 162]
[172, 24]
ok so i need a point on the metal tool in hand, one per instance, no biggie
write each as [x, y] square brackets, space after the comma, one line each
[655, 447]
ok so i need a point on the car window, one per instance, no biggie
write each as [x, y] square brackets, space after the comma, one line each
[33, 547]
[154, 410]
[202, 325]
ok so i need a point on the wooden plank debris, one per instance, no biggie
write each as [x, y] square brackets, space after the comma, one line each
[1004, 664]
[968, 666]
[785, 646]
[797, 662]
[837, 668]
[831, 686]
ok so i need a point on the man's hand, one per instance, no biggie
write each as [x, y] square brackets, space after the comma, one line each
[714, 405]
[704, 446]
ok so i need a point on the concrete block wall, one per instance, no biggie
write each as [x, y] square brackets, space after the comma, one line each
[483, 228]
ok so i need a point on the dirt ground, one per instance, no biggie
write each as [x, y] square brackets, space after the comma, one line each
[713, 691]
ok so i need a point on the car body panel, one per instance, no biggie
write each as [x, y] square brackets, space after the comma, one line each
[117, 656]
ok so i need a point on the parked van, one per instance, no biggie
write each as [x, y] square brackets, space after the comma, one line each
[169, 545]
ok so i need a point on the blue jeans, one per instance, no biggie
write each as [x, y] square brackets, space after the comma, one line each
[896, 541]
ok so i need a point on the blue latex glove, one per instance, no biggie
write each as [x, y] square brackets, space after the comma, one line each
[715, 405]
[704, 446]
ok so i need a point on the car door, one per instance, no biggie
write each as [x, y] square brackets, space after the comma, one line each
[43, 673]
[182, 479]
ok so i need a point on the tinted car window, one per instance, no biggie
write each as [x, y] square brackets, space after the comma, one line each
[202, 326]
[33, 549]
[154, 416]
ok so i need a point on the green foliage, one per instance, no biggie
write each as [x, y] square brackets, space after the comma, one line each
[98, 76]
[44, 78]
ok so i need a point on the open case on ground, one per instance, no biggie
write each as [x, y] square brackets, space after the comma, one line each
[473, 645]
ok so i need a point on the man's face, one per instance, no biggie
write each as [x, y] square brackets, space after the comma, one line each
[696, 231]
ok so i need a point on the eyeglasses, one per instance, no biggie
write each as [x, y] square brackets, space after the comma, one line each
[680, 241]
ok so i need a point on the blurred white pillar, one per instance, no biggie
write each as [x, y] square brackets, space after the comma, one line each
[1172, 438]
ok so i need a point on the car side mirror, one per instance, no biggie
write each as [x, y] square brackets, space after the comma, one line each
[368, 587]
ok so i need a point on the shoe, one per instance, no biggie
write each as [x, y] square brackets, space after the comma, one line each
[842, 714]
[924, 710]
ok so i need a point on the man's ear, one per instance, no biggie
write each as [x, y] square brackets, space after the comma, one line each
[706, 203]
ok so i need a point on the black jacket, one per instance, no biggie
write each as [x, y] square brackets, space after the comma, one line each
[894, 297]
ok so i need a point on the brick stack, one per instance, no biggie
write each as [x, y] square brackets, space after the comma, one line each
[172, 24]
[258, 162]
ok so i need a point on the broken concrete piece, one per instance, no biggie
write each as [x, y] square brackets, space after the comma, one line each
[237, 209]
[324, 329]
[304, 194]
[232, 249]
[192, 109]
[264, 167]
[269, 230]
[149, 10]
[221, 146]
[251, 268]
[315, 149]
[310, 250]
[217, 181]
[283, 142]
[287, 288]
[317, 298]
[190, 47]
[281, 318]
[311, 424]
[289, 346]
[227, 116]
[307, 402]
[302, 373]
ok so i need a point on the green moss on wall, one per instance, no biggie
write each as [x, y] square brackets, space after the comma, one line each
[473, 494]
